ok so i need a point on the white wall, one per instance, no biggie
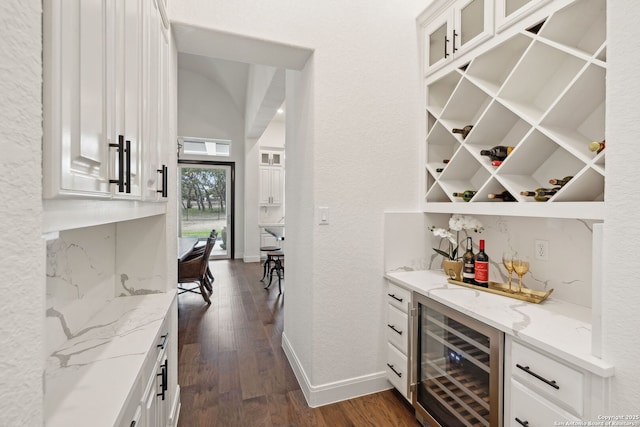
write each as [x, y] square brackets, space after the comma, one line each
[621, 293]
[22, 251]
[355, 151]
[206, 110]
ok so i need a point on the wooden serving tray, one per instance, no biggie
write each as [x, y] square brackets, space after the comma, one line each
[528, 295]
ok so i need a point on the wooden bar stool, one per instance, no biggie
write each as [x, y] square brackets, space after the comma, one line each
[268, 260]
[277, 258]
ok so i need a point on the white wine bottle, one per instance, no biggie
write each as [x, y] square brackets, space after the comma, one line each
[541, 194]
[466, 195]
[464, 131]
[505, 196]
[560, 182]
[468, 263]
[596, 146]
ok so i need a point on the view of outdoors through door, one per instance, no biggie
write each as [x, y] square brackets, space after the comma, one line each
[205, 198]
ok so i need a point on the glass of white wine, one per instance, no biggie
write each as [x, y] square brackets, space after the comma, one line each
[507, 261]
[521, 267]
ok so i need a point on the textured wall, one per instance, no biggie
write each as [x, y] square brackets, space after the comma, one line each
[621, 293]
[22, 251]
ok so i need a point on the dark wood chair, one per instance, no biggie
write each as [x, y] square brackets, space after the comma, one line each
[194, 269]
[197, 251]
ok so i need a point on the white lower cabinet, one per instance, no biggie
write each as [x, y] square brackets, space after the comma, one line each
[397, 327]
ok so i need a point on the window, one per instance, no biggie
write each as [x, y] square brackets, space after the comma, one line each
[205, 147]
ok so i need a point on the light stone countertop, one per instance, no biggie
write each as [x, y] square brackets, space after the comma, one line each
[555, 326]
[88, 379]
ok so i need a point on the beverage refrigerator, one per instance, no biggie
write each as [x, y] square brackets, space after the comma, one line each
[457, 367]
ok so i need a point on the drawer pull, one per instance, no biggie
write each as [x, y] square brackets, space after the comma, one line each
[399, 374]
[394, 329]
[522, 423]
[164, 341]
[395, 297]
[530, 372]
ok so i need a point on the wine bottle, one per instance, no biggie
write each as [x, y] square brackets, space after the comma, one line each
[505, 196]
[499, 152]
[496, 162]
[560, 182]
[541, 194]
[468, 263]
[466, 195]
[596, 146]
[439, 170]
[481, 267]
[464, 131]
[445, 161]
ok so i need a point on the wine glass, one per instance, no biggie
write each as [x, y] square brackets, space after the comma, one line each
[521, 267]
[507, 261]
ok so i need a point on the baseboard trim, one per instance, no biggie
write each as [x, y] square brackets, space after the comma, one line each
[251, 258]
[337, 391]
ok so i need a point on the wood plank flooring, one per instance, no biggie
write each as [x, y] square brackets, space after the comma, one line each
[233, 372]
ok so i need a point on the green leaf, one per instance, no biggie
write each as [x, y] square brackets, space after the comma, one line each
[441, 252]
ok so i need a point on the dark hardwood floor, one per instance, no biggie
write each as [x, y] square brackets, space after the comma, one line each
[233, 372]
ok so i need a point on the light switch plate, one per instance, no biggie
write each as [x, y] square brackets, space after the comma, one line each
[323, 215]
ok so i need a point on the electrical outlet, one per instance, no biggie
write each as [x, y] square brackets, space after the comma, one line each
[542, 250]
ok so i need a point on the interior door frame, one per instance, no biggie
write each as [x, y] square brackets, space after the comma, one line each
[232, 190]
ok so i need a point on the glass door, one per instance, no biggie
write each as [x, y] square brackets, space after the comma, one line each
[206, 201]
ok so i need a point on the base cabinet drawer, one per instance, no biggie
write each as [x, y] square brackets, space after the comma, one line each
[398, 328]
[398, 297]
[548, 377]
[531, 410]
[397, 371]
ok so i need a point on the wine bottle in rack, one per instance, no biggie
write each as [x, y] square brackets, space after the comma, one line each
[446, 161]
[505, 196]
[439, 170]
[541, 194]
[464, 131]
[468, 263]
[481, 266]
[560, 182]
[499, 152]
[596, 146]
[466, 195]
[496, 162]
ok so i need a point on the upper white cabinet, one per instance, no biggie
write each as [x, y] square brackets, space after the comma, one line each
[539, 88]
[448, 34]
[271, 158]
[103, 98]
[271, 185]
[509, 11]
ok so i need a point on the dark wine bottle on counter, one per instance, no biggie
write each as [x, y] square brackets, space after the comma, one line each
[596, 146]
[481, 267]
[466, 195]
[468, 263]
[499, 152]
[505, 196]
[464, 131]
[541, 194]
[560, 182]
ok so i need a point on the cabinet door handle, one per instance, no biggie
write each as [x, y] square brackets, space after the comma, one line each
[133, 424]
[446, 40]
[120, 147]
[164, 375]
[163, 173]
[522, 423]
[395, 297]
[552, 383]
[454, 41]
[127, 183]
[394, 329]
[399, 374]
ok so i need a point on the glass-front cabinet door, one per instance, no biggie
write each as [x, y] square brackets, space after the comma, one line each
[458, 374]
[509, 11]
[437, 41]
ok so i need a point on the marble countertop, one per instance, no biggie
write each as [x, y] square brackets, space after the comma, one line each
[555, 326]
[90, 377]
[270, 224]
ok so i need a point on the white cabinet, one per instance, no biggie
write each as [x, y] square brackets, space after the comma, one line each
[541, 388]
[99, 90]
[78, 87]
[271, 185]
[447, 35]
[509, 11]
[271, 157]
[540, 88]
[397, 327]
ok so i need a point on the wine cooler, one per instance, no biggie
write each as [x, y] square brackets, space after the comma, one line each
[457, 377]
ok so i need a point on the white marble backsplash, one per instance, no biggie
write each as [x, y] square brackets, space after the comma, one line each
[408, 246]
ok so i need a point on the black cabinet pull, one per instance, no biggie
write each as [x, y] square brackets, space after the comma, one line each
[127, 151]
[446, 40]
[133, 424]
[399, 374]
[395, 297]
[164, 341]
[164, 181]
[394, 329]
[454, 41]
[522, 423]
[120, 147]
[530, 372]
[164, 374]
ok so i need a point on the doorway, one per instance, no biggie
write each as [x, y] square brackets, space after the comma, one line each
[207, 202]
